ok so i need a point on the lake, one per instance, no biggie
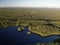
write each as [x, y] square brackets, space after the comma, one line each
[11, 36]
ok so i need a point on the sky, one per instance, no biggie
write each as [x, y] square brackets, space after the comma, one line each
[30, 3]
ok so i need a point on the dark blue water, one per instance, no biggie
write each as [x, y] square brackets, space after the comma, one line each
[12, 36]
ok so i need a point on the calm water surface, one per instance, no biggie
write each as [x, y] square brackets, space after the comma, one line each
[12, 36]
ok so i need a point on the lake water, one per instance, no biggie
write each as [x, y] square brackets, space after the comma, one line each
[12, 36]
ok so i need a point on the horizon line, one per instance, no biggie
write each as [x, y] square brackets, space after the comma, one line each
[30, 7]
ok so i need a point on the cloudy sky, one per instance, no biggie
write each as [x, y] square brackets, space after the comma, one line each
[30, 3]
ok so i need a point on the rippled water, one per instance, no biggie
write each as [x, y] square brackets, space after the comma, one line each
[12, 36]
